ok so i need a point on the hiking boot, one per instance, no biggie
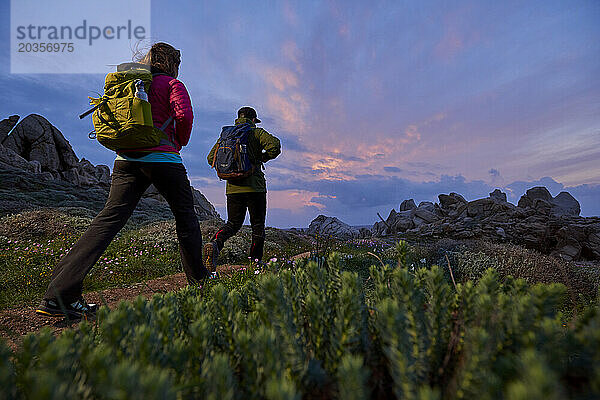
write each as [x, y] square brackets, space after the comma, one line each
[76, 310]
[211, 254]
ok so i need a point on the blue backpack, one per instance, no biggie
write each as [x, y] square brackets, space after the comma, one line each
[231, 159]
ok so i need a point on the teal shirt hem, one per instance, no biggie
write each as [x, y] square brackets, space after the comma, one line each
[153, 157]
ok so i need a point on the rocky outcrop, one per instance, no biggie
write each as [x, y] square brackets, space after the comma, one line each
[10, 159]
[43, 159]
[331, 226]
[408, 218]
[34, 138]
[541, 199]
[37, 140]
[540, 221]
[408, 205]
[6, 126]
[203, 208]
[498, 195]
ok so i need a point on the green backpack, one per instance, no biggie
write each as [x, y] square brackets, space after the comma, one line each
[121, 120]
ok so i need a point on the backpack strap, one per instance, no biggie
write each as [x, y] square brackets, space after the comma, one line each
[215, 153]
[116, 127]
[167, 123]
[164, 126]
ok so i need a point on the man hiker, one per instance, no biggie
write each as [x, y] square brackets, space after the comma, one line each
[245, 193]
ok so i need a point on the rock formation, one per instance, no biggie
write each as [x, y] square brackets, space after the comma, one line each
[38, 152]
[331, 226]
[40, 143]
[541, 199]
[204, 209]
[540, 221]
[6, 126]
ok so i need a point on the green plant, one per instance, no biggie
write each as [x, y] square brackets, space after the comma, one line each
[316, 331]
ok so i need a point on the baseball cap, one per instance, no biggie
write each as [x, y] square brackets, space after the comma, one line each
[249, 113]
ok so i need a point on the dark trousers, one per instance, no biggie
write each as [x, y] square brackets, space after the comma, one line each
[237, 204]
[130, 180]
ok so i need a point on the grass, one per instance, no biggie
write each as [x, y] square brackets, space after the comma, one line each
[26, 265]
[31, 244]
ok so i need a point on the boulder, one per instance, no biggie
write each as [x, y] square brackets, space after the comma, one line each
[426, 215]
[34, 138]
[408, 205]
[9, 158]
[34, 147]
[71, 175]
[481, 208]
[451, 200]
[401, 221]
[38, 142]
[592, 244]
[459, 211]
[569, 252]
[540, 199]
[91, 175]
[331, 226]
[6, 126]
[565, 204]
[379, 229]
[203, 208]
[427, 205]
[548, 224]
[533, 196]
[498, 195]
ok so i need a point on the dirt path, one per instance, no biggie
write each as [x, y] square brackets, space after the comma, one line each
[16, 322]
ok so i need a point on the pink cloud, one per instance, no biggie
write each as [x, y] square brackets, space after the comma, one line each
[292, 53]
[289, 13]
[280, 78]
[293, 199]
[450, 45]
[291, 110]
[457, 35]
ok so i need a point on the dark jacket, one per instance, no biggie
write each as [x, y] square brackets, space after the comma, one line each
[260, 140]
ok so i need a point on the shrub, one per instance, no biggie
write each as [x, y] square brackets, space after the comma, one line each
[313, 332]
[530, 265]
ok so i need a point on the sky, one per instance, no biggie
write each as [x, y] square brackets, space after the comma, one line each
[374, 102]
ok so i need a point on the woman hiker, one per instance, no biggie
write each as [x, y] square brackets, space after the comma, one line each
[133, 173]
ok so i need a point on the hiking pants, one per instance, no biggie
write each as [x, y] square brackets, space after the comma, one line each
[130, 179]
[237, 204]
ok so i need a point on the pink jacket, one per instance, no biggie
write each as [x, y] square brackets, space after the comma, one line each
[168, 96]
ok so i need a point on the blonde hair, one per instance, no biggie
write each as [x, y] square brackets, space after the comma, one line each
[164, 57]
